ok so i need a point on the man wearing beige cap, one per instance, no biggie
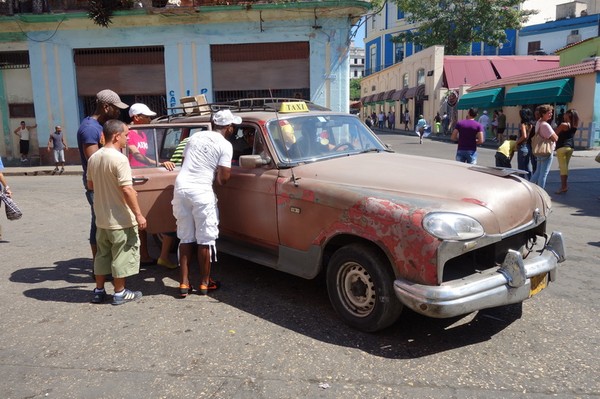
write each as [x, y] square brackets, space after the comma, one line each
[206, 161]
[89, 135]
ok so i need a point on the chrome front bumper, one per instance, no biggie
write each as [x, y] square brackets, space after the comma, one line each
[510, 283]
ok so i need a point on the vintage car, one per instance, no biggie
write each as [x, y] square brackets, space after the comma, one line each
[317, 194]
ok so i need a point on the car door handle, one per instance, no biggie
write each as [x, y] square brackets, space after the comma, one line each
[139, 180]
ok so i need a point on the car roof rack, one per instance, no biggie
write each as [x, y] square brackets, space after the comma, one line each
[195, 108]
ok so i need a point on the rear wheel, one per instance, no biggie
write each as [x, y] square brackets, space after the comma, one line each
[360, 284]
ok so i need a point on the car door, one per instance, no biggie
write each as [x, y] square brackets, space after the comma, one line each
[153, 184]
[247, 203]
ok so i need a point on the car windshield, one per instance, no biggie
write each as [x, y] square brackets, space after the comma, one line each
[309, 138]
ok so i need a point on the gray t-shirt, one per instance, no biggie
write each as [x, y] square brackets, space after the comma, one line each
[57, 142]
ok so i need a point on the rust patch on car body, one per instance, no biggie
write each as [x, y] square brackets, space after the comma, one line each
[397, 229]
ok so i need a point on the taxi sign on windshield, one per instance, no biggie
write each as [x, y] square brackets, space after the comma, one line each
[290, 107]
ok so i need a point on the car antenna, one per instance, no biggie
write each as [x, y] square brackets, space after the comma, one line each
[281, 135]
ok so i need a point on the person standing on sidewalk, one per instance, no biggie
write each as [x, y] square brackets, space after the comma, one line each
[206, 161]
[469, 134]
[524, 154]
[501, 126]
[57, 144]
[89, 137]
[24, 135]
[391, 119]
[406, 119]
[484, 121]
[118, 215]
[543, 128]
[564, 146]
[3, 187]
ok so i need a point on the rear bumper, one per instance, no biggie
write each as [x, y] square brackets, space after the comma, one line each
[510, 283]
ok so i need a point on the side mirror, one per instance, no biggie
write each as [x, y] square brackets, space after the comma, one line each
[253, 161]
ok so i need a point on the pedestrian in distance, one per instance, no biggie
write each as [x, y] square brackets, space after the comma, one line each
[505, 152]
[445, 123]
[421, 126]
[469, 134]
[484, 121]
[206, 162]
[543, 128]
[118, 215]
[437, 123]
[23, 131]
[391, 120]
[564, 146]
[406, 119]
[501, 126]
[89, 140]
[524, 154]
[58, 145]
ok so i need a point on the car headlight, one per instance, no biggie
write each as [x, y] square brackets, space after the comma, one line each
[452, 226]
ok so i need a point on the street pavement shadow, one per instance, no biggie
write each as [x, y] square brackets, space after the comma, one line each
[76, 274]
[583, 194]
[303, 306]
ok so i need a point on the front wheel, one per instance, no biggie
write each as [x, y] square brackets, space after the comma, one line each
[360, 284]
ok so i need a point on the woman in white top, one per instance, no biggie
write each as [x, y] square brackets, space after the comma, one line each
[543, 128]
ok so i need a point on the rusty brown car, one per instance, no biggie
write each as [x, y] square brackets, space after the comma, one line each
[316, 193]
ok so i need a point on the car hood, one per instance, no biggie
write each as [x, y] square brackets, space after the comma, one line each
[499, 203]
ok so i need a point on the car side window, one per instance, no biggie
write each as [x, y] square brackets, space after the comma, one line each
[141, 148]
[243, 142]
[169, 138]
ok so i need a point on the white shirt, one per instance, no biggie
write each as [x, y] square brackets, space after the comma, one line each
[203, 154]
[24, 134]
[484, 120]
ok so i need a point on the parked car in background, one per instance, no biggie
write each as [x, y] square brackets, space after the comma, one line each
[316, 194]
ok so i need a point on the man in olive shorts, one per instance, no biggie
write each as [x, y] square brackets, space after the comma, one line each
[118, 215]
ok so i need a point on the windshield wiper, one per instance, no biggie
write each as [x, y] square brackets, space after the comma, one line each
[372, 150]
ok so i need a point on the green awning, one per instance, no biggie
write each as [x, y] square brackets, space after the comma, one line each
[490, 98]
[558, 91]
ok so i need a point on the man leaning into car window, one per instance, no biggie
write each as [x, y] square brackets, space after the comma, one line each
[206, 161]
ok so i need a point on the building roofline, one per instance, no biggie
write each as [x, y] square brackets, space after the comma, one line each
[583, 68]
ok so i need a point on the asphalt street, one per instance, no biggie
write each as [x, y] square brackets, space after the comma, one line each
[269, 335]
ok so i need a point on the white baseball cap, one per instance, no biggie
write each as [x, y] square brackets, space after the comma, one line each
[140, 109]
[226, 118]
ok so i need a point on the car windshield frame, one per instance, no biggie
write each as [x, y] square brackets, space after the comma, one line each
[312, 137]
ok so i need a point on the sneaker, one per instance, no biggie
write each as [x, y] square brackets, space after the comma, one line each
[62, 170]
[128, 296]
[54, 171]
[99, 296]
[166, 263]
[212, 285]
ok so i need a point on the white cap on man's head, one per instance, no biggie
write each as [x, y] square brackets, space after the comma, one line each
[141, 109]
[226, 118]
[110, 97]
[485, 112]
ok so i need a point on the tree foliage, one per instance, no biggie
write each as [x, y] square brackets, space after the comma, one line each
[355, 89]
[455, 24]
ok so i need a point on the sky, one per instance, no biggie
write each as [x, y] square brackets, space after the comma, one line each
[546, 8]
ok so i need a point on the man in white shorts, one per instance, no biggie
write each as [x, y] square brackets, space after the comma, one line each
[57, 144]
[206, 158]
